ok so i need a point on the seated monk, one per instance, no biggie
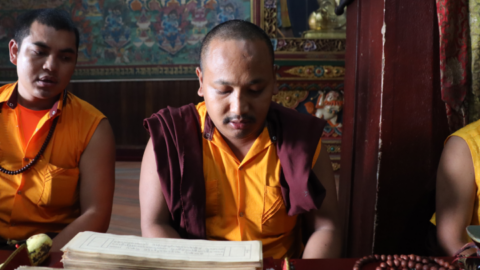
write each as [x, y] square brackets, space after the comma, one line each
[458, 193]
[237, 166]
[57, 152]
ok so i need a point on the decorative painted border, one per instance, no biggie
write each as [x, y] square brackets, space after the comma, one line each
[311, 72]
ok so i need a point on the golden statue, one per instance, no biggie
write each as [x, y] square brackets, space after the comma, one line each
[324, 23]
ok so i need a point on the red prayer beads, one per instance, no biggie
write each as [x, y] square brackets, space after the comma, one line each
[405, 262]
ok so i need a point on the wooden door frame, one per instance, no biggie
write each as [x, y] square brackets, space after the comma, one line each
[392, 106]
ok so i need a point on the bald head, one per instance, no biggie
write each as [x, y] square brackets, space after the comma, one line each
[235, 30]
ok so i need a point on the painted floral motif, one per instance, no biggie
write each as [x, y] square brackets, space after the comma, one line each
[281, 44]
[317, 72]
[270, 4]
[290, 99]
[309, 46]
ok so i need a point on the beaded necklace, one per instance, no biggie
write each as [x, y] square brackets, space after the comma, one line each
[42, 149]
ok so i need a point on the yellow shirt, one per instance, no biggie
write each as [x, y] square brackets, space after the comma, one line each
[471, 135]
[45, 197]
[244, 199]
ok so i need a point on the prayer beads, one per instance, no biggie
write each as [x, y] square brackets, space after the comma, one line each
[405, 262]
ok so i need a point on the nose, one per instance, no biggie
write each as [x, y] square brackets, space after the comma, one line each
[238, 103]
[50, 63]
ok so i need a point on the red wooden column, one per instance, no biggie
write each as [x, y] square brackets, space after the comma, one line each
[363, 67]
[394, 126]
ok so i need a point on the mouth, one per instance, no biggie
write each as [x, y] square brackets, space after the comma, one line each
[240, 124]
[46, 81]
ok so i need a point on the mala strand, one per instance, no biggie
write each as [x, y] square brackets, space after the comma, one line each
[44, 146]
[405, 262]
[33, 161]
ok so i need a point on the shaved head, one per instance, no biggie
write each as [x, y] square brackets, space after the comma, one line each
[235, 30]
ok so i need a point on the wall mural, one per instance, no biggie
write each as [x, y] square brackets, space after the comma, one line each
[131, 38]
[326, 103]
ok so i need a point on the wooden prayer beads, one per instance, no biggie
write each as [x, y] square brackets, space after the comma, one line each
[405, 262]
[42, 149]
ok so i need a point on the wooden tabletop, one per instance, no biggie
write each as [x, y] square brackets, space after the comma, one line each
[338, 264]
[321, 264]
[269, 264]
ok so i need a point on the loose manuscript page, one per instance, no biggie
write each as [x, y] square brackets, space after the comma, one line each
[166, 249]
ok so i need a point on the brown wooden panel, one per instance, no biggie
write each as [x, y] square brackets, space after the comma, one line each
[126, 104]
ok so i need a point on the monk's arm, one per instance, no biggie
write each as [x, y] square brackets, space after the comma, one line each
[97, 182]
[155, 216]
[325, 242]
[455, 194]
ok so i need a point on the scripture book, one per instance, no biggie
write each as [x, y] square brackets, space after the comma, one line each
[90, 250]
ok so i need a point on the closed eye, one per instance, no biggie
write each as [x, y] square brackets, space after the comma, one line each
[257, 91]
[222, 92]
[38, 52]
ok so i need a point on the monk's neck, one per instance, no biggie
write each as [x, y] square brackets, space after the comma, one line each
[36, 104]
[240, 148]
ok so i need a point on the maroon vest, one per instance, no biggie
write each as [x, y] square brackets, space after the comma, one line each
[177, 143]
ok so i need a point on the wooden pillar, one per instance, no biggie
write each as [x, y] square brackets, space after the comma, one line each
[394, 126]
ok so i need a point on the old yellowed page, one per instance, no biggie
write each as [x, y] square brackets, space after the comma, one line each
[166, 249]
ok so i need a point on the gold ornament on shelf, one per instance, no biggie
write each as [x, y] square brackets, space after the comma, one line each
[324, 23]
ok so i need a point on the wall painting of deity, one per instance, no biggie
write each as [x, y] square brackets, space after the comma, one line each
[131, 39]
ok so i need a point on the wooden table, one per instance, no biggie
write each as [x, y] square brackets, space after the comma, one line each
[269, 264]
[327, 264]
[321, 264]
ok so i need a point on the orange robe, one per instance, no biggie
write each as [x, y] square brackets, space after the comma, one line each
[244, 199]
[44, 198]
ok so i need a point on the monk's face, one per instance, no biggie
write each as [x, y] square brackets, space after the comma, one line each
[237, 83]
[45, 63]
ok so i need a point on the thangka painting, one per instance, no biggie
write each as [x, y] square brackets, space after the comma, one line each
[130, 39]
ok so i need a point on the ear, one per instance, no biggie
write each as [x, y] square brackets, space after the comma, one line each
[13, 48]
[200, 81]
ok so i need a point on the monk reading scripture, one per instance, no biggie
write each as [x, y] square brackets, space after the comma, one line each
[458, 188]
[237, 166]
[57, 152]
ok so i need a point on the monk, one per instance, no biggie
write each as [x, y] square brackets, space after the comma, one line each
[57, 152]
[237, 166]
[458, 192]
